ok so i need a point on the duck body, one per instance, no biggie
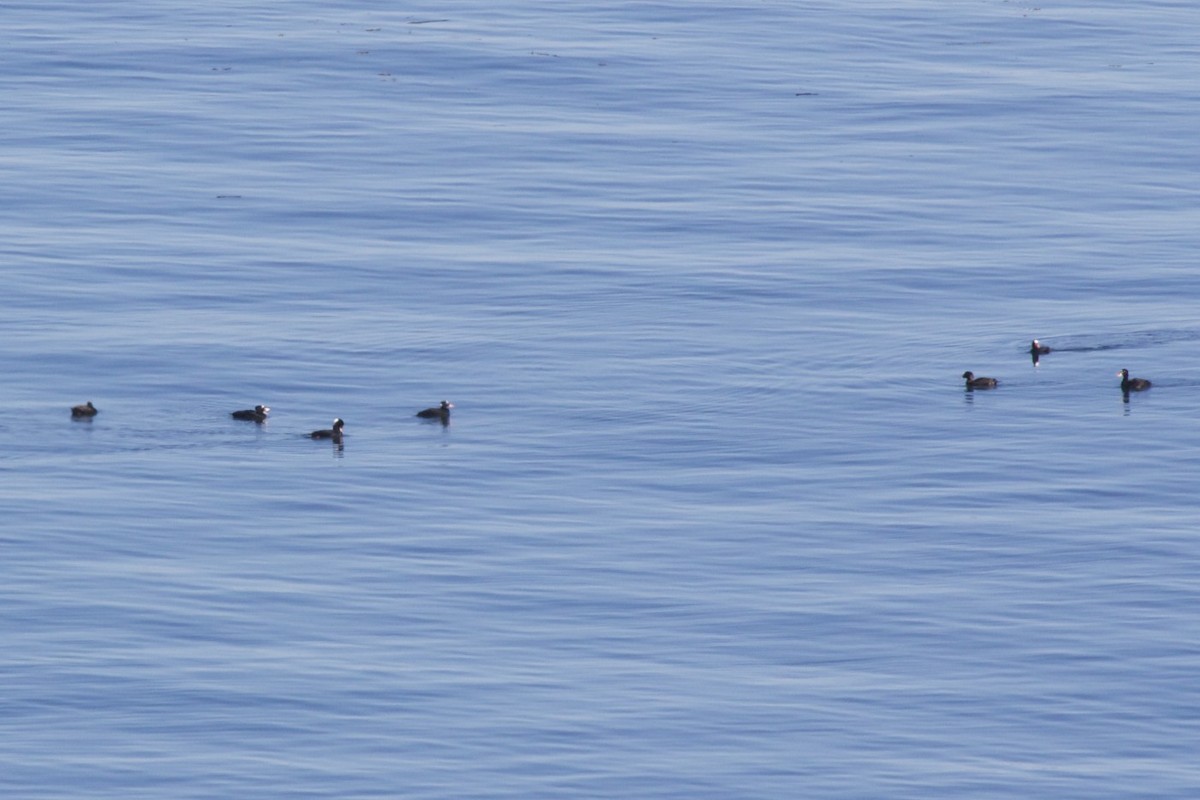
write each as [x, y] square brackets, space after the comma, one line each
[85, 410]
[441, 412]
[334, 433]
[256, 414]
[1129, 384]
[1036, 348]
[978, 383]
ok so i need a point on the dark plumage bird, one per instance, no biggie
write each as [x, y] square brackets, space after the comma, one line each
[978, 383]
[441, 412]
[335, 433]
[85, 410]
[1037, 350]
[1129, 384]
[256, 414]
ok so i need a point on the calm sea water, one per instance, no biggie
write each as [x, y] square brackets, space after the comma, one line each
[714, 517]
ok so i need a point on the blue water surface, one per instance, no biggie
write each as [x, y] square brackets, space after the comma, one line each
[714, 516]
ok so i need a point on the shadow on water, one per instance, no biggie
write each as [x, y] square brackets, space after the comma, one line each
[969, 393]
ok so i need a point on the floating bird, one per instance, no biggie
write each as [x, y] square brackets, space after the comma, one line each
[441, 412]
[1037, 350]
[335, 433]
[1129, 384]
[978, 383]
[85, 410]
[256, 414]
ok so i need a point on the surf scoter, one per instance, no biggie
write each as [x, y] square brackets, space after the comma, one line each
[1129, 384]
[256, 414]
[978, 383]
[85, 410]
[335, 433]
[1038, 349]
[439, 412]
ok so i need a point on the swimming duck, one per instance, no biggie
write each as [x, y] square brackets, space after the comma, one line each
[335, 433]
[1129, 384]
[978, 383]
[256, 414]
[442, 411]
[1038, 349]
[85, 410]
